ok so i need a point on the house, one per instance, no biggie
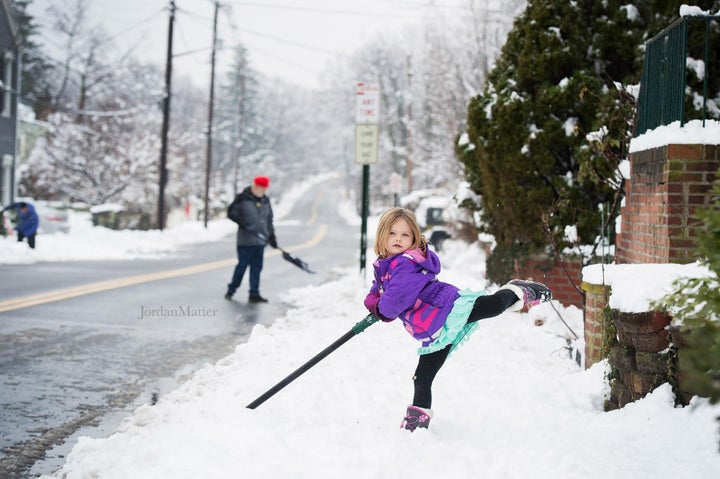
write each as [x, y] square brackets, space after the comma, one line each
[9, 92]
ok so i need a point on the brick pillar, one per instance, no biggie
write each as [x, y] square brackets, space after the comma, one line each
[596, 299]
[666, 187]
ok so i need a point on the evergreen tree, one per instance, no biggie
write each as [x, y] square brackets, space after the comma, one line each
[3, 230]
[35, 90]
[563, 74]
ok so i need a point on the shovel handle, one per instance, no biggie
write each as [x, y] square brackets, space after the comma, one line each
[364, 323]
[358, 328]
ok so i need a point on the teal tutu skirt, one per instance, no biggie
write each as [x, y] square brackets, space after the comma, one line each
[456, 329]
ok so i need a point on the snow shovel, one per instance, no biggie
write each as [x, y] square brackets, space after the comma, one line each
[296, 261]
[359, 327]
[287, 256]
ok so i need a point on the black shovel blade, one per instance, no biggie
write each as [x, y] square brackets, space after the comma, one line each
[297, 262]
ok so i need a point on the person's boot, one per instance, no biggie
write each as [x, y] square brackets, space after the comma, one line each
[416, 417]
[529, 293]
[229, 295]
[256, 298]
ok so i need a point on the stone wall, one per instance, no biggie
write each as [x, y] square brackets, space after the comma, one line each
[639, 360]
[641, 348]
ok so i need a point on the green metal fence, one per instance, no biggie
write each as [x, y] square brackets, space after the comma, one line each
[663, 94]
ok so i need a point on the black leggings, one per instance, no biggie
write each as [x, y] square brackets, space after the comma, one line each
[429, 364]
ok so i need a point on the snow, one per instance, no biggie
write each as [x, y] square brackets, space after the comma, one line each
[697, 66]
[632, 12]
[690, 10]
[85, 242]
[636, 286]
[597, 136]
[692, 133]
[464, 139]
[624, 168]
[509, 404]
[569, 126]
[107, 208]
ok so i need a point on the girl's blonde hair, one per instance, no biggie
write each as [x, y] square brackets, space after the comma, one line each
[385, 224]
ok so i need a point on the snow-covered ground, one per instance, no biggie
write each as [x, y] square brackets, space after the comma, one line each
[509, 404]
[85, 242]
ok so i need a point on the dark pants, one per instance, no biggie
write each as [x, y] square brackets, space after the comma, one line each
[251, 256]
[31, 239]
[429, 364]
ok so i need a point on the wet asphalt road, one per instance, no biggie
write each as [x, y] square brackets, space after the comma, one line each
[77, 366]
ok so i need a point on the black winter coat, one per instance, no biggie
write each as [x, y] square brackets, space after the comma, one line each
[253, 215]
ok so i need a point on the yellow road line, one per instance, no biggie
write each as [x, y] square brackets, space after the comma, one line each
[313, 210]
[61, 294]
[58, 295]
[319, 235]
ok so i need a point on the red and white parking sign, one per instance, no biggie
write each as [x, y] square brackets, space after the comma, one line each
[367, 104]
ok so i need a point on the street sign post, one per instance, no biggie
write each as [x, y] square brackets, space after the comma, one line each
[367, 119]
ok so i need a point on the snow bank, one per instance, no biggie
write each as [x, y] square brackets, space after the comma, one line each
[635, 286]
[692, 133]
[508, 404]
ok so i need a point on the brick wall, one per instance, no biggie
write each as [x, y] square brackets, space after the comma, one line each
[667, 186]
[564, 280]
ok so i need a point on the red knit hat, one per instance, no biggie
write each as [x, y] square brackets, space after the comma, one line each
[263, 181]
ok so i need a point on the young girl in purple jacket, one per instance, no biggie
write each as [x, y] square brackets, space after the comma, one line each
[436, 313]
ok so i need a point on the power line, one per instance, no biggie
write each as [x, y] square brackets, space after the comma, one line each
[331, 11]
[136, 25]
[194, 15]
[291, 42]
[369, 11]
[284, 61]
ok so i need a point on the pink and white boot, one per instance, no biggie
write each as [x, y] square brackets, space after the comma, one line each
[416, 417]
[530, 293]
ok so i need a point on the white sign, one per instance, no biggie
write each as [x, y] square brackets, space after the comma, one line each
[366, 144]
[367, 104]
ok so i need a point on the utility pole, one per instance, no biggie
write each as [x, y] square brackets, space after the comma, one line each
[166, 121]
[408, 126]
[237, 138]
[208, 149]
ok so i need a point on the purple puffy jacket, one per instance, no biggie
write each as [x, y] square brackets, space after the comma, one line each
[405, 287]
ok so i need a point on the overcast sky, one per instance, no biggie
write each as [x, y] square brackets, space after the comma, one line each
[293, 39]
